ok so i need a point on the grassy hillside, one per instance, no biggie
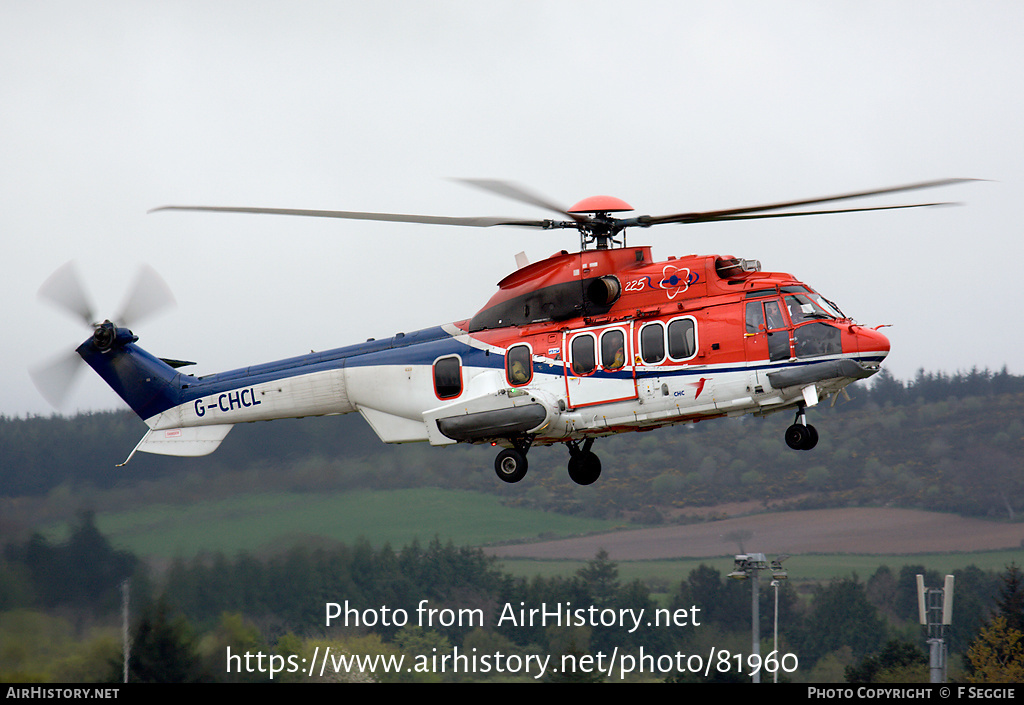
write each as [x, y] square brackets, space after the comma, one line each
[264, 523]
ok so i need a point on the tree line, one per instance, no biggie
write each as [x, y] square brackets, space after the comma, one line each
[952, 443]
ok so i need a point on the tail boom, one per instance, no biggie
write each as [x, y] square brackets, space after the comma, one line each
[190, 416]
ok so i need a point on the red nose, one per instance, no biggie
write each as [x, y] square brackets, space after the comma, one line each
[870, 340]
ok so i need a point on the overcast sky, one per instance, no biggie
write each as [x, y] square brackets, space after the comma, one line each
[108, 109]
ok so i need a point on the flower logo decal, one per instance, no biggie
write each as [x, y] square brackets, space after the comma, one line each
[676, 280]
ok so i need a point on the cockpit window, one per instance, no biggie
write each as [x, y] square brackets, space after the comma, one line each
[773, 315]
[826, 305]
[803, 308]
[755, 317]
[816, 339]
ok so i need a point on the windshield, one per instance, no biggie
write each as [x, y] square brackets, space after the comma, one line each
[827, 306]
[811, 306]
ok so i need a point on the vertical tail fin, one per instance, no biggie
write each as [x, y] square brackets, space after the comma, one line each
[147, 384]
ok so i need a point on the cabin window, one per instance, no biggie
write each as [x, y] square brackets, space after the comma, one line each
[652, 343]
[613, 349]
[583, 355]
[682, 339]
[448, 377]
[519, 365]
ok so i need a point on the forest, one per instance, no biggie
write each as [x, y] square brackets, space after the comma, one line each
[66, 598]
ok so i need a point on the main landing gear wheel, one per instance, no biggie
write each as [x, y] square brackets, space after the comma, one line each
[584, 465]
[511, 465]
[801, 435]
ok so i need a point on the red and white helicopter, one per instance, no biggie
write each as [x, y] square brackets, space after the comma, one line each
[571, 348]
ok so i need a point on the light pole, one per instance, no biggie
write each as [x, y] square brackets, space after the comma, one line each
[745, 566]
[126, 639]
[775, 639]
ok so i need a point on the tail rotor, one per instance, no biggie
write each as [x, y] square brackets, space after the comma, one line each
[148, 295]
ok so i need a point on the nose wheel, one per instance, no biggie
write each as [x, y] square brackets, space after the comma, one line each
[584, 465]
[801, 435]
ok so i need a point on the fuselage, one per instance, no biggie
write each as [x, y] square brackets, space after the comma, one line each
[578, 345]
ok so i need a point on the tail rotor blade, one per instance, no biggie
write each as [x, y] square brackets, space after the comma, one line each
[64, 289]
[55, 378]
[148, 295]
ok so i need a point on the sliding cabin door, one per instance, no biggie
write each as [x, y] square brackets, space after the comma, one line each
[599, 365]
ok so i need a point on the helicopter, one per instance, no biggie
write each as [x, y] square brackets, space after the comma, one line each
[580, 345]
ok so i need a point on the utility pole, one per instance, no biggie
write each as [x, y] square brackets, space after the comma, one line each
[935, 608]
[126, 645]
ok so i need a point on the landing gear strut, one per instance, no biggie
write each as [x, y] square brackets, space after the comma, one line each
[584, 465]
[511, 464]
[801, 435]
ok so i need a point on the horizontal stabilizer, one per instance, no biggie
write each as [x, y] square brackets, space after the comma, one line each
[191, 442]
[176, 363]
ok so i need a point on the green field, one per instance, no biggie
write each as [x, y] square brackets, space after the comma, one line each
[265, 523]
[258, 523]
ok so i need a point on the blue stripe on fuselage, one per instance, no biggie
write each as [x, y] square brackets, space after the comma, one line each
[417, 348]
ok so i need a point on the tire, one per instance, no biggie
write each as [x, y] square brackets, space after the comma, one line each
[510, 465]
[584, 468]
[800, 437]
[796, 436]
[812, 438]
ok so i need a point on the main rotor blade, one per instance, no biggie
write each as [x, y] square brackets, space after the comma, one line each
[517, 193]
[755, 216]
[705, 216]
[480, 222]
[64, 289]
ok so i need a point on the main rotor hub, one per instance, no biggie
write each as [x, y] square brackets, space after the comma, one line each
[601, 204]
[600, 228]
